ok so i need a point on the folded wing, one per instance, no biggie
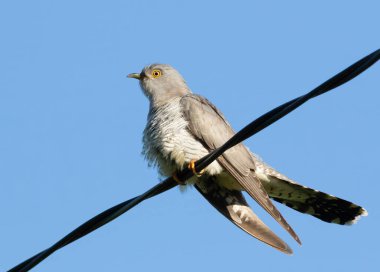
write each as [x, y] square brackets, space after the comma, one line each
[233, 206]
[209, 126]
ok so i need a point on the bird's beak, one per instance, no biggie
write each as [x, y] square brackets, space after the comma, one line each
[134, 75]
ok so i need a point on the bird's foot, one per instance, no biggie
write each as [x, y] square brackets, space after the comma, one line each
[176, 179]
[191, 166]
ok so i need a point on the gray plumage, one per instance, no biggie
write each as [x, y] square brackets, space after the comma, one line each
[182, 126]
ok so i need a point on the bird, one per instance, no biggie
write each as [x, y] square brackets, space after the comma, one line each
[182, 127]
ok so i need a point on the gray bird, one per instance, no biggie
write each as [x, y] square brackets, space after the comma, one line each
[182, 127]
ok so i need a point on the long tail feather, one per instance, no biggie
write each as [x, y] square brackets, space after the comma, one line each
[233, 206]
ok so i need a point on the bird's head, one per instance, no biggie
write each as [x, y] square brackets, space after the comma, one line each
[161, 82]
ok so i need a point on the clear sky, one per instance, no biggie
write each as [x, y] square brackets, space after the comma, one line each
[71, 126]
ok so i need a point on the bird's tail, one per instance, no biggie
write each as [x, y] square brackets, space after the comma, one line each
[232, 205]
[326, 207]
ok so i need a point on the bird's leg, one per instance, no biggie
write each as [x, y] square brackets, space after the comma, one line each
[191, 166]
[176, 179]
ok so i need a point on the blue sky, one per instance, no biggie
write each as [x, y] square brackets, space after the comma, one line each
[71, 127]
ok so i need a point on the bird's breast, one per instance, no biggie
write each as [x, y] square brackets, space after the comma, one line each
[167, 142]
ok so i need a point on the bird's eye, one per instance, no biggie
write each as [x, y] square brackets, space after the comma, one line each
[156, 73]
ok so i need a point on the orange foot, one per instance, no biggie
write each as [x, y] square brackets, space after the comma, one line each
[176, 179]
[191, 166]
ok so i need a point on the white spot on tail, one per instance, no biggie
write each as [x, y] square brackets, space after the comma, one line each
[243, 212]
[352, 222]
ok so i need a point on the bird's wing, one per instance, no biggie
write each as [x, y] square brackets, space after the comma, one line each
[233, 206]
[324, 206]
[208, 125]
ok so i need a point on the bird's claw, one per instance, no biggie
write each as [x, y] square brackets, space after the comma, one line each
[176, 178]
[191, 166]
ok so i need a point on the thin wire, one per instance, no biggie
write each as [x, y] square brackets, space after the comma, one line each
[279, 112]
[94, 223]
[248, 131]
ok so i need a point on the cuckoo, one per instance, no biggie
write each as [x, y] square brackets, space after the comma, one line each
[182, 127]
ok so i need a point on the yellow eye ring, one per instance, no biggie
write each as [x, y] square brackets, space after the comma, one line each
[156, 73]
